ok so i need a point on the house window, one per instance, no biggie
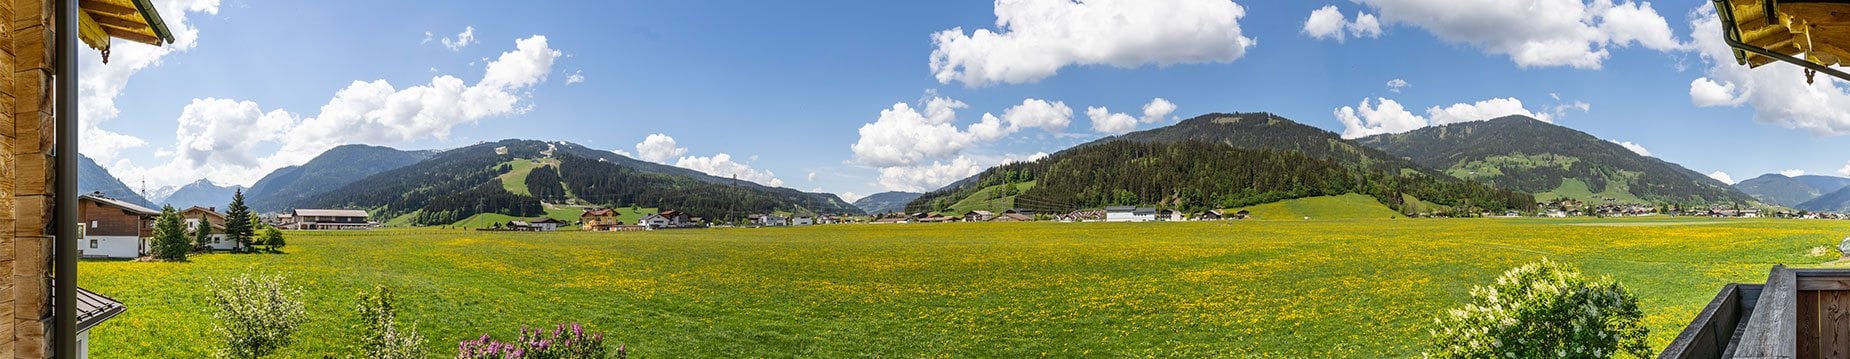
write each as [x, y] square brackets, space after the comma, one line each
[92, 224]
[92, 244]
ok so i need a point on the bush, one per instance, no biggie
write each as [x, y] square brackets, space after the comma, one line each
[564, 342]
[1544, 309]
[272, 237]
[379, 323]
[256, 315]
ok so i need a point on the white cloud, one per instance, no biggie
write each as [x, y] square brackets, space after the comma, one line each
[1157, 110]
[1537, 33]
[462, 39]
[1722, 176]
[1561, 110]
[427, 38]
[1325, 23]
[903, 136]
[575, 77]
[1778, 93]
[99, 84]
[1390, 116]
[218, 138]
[1844, 171]
[1792, 173]
[1329, 23]
[1704, 92]
[1368, 120]
[1104, 121]
[1034, 39]
[659, 148]
[929, 176]
[1396, 84]
[850, 196]
[1482, 110]
[721, 165]
[1636, 148]
[1037, 156]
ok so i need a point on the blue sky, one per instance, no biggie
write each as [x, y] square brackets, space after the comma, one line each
[785, 89]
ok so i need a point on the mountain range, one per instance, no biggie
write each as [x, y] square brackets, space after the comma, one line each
[92, 178]
[333, 169]
[200, 193]
[1551, 161]
[1807, 192]
[1217, 161]
[885, 202]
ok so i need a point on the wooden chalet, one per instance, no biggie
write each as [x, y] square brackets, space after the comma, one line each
[114, 228]
[196, 216]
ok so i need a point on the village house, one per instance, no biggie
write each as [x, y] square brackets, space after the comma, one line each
[599, 219]
[1012, 217]
[891, 220]
[802, 220]
[196, 215]
[543, 224]
[1129, 214]
[979, 216]
[312, 219]
[114, 228]
[1168, 215]
[1210, 215]
[767, 220]
[1082, 216]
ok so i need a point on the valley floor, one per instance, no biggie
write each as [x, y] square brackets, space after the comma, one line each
[1317, 288]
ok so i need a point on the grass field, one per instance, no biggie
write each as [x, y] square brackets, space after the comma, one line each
[515, 181]
[981, 200]
[1348, 206]
[1301, 289]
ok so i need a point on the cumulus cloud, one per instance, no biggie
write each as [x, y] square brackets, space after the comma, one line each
[1561, 110]
[99, 84]
[904, 136]
[722, 165]
[218, 138]
[928, 176]
[1844, 171]
[1367, 120]
[463, 39]
[1636, 148]
[1792, 173]
[575, 77]
[850, 196]
[1390, 116]
[1778, 92]
[1722, 176]
[1396, 84]
[659, 148]
[1329, 23]
[1157, 110]
[1035, 39]
[1104, 121]
[1537, 33]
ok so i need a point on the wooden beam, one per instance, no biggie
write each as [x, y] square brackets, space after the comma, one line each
[132, 36]
[1773, 330]
[119, 21]
[108, 7]
[1824, 283]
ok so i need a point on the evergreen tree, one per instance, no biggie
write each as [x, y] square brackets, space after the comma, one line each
[272, 237]
[237, 221]
[170, 236]
[203, 235]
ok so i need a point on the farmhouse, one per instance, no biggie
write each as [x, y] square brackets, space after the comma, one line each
[599, 219]
[543, 224]
[802, 220]
[1168, 215]
[1013, 217]
[196, 216]
[1129, 214]
[1082, 216]
[1210, 215]
[328, 219]
[113, 228]
[978, 216]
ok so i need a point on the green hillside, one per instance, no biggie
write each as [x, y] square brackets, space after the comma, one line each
[993, 198]
[567, 214]
[515, 181]
[1348, 206]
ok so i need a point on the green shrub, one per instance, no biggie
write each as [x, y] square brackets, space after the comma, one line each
[384, 338]
[1544, 310]
[256, 315]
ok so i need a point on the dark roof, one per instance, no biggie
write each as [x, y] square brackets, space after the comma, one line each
[598, 212]
[92, 308]
[330, 213]
[546, 220]
[124, 205]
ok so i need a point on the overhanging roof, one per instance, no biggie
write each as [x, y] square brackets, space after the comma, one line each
[132, 20]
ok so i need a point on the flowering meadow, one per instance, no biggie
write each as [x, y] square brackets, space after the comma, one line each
[1298, 288]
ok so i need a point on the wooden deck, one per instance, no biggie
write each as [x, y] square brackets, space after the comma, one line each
[1798, 313]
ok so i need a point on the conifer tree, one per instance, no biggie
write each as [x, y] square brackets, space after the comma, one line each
[237, 221]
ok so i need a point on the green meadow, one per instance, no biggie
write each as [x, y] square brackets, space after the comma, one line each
[1260, 288]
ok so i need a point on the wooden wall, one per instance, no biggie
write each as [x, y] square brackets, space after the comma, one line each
[25, 193]
[1823, 319]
